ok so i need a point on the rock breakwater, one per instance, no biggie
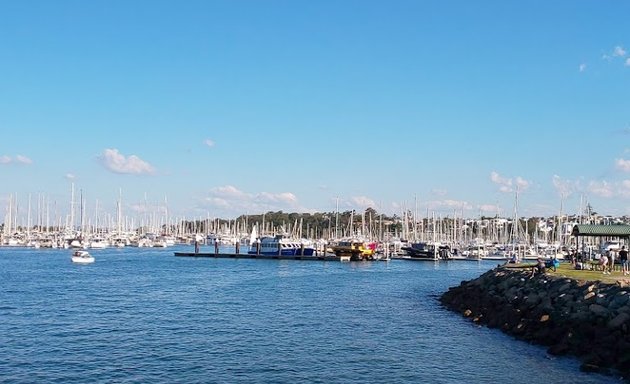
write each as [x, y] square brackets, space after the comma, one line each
[586, 319]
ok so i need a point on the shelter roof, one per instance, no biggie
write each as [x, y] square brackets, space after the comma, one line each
[615, 230]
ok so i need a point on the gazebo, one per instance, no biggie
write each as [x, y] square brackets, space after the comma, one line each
[619, 231]
[597, 230]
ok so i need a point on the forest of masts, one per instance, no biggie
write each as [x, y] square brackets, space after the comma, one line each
[42, 217]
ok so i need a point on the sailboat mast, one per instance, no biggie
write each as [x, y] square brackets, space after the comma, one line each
[119, 211]
[337, 219]
[81, 213]
[72, 224]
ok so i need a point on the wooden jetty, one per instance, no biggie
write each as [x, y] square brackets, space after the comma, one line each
[322, 257]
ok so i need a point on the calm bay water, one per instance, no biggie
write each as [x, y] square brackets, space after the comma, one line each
[144, 315]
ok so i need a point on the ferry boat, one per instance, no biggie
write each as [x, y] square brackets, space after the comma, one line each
[82, 257]
[279, 246]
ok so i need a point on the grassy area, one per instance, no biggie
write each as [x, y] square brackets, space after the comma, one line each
[567, 270]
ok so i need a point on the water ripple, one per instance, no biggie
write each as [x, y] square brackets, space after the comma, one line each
[146, 316]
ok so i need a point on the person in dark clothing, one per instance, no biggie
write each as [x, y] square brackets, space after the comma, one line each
[623, 259]
[539, 267]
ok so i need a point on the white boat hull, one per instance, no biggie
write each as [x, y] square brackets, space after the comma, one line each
[82, 260]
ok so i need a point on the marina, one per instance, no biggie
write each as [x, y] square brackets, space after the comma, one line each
[287, 191]
[349, 236]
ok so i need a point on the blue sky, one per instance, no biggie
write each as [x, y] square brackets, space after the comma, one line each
[222, 108]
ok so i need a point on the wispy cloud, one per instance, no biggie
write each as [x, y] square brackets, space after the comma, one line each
[439, 192]
[489, 208]
[283, 197]
[232, 200]
[449, 204]
[19, 159]
[362, 202]
[627, 63]
[70, 176]
[118, 163]
[209, 143]
[601, 189]
[623, 164]
[619, 51]
[230, 192]
[521, 183]
[564, 187]
[624, 188]
[506, 185]
[582, 67]
[624, 131]
[23, 159]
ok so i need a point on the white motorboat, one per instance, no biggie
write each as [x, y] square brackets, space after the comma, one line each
[82, 257]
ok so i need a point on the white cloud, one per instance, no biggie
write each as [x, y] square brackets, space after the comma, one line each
[209, 143]
[284, 197]
[70, 176]
[619, 51]
[623, 164]
[232, 200]
[506, 189]
[497, 179]
[230, 192]
[582, 67]
[20, 159]
[624, 188]
[627, 62]
[564, 187]
[601, 189]
[489, 208]
[362, 202]
[219, 202]
[439, 192]
[521, 183]
[118, 163]
[505, 184]
[449, 204]
[23, 159]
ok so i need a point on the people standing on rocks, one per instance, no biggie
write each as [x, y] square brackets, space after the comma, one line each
[623, 259]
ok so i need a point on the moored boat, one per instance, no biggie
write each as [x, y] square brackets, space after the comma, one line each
[355, 250]
[428, 251]
[279, 246]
